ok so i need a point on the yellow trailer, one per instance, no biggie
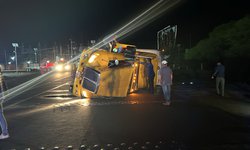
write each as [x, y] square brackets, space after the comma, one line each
[113, 72]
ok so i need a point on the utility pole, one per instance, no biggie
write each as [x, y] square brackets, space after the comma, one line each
[40, 52]
[71, 49]
[5, 59]
[35, 49]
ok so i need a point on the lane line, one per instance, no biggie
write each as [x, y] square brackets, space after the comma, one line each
[14, 104]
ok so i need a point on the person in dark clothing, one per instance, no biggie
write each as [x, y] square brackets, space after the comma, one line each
[151, 76]
[73, 74]
[3, 122]
[73, 71]
[219, 73]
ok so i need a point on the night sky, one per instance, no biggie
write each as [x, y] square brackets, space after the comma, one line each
[49, 21]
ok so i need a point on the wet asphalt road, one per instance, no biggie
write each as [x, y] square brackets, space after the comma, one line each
[48, 116]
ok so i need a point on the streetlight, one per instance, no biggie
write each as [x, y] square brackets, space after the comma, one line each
[15, 45]
[71, 49]
[12, 58]
[35, 49]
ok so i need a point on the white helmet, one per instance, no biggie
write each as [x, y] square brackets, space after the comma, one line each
[164, 62]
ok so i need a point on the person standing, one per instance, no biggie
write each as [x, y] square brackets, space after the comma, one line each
[151, 76]
[166, 74]
[219, 74]
[73, 74]
[3, 122]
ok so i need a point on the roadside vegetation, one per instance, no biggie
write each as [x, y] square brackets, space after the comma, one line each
[229, 43]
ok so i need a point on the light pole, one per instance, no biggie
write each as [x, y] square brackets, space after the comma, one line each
[5, 59]
[15, 45]
[71, 50]
[35, 49]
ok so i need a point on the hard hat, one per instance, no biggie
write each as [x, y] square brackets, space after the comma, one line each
[164, 62]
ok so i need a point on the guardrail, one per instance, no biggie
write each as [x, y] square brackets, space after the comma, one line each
[20, 71]
[10, 71]
[14, 73]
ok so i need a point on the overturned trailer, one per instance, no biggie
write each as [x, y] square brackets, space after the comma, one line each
[113, 72]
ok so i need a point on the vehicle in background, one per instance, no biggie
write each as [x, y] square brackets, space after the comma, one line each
[32, 66]
[46, 66]
[114, 71]
[61, 65]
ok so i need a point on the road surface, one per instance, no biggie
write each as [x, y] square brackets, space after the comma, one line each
[48, 116]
